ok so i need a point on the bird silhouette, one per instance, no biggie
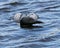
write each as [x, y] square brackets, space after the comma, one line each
[26, 20]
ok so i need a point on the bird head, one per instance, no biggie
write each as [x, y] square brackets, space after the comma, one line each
[33, 15]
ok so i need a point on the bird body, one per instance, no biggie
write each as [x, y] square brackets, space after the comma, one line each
[26, 20]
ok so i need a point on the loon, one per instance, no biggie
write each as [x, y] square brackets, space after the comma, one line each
[26, 20]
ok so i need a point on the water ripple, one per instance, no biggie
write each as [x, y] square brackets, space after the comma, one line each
[13, 36]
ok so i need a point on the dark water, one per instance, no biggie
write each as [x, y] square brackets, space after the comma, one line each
[13, 36]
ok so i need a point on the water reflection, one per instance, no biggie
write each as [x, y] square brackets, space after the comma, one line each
[31, 27]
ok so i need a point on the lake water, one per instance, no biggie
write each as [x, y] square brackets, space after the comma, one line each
[13, 36]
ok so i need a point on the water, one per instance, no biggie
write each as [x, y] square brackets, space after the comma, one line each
[13, 36]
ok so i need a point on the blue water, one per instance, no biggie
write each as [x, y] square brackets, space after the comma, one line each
[13, 36]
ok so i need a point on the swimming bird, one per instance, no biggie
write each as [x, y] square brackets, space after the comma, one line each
[26, 20]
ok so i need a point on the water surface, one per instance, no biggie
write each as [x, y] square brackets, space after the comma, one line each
[13, 36]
